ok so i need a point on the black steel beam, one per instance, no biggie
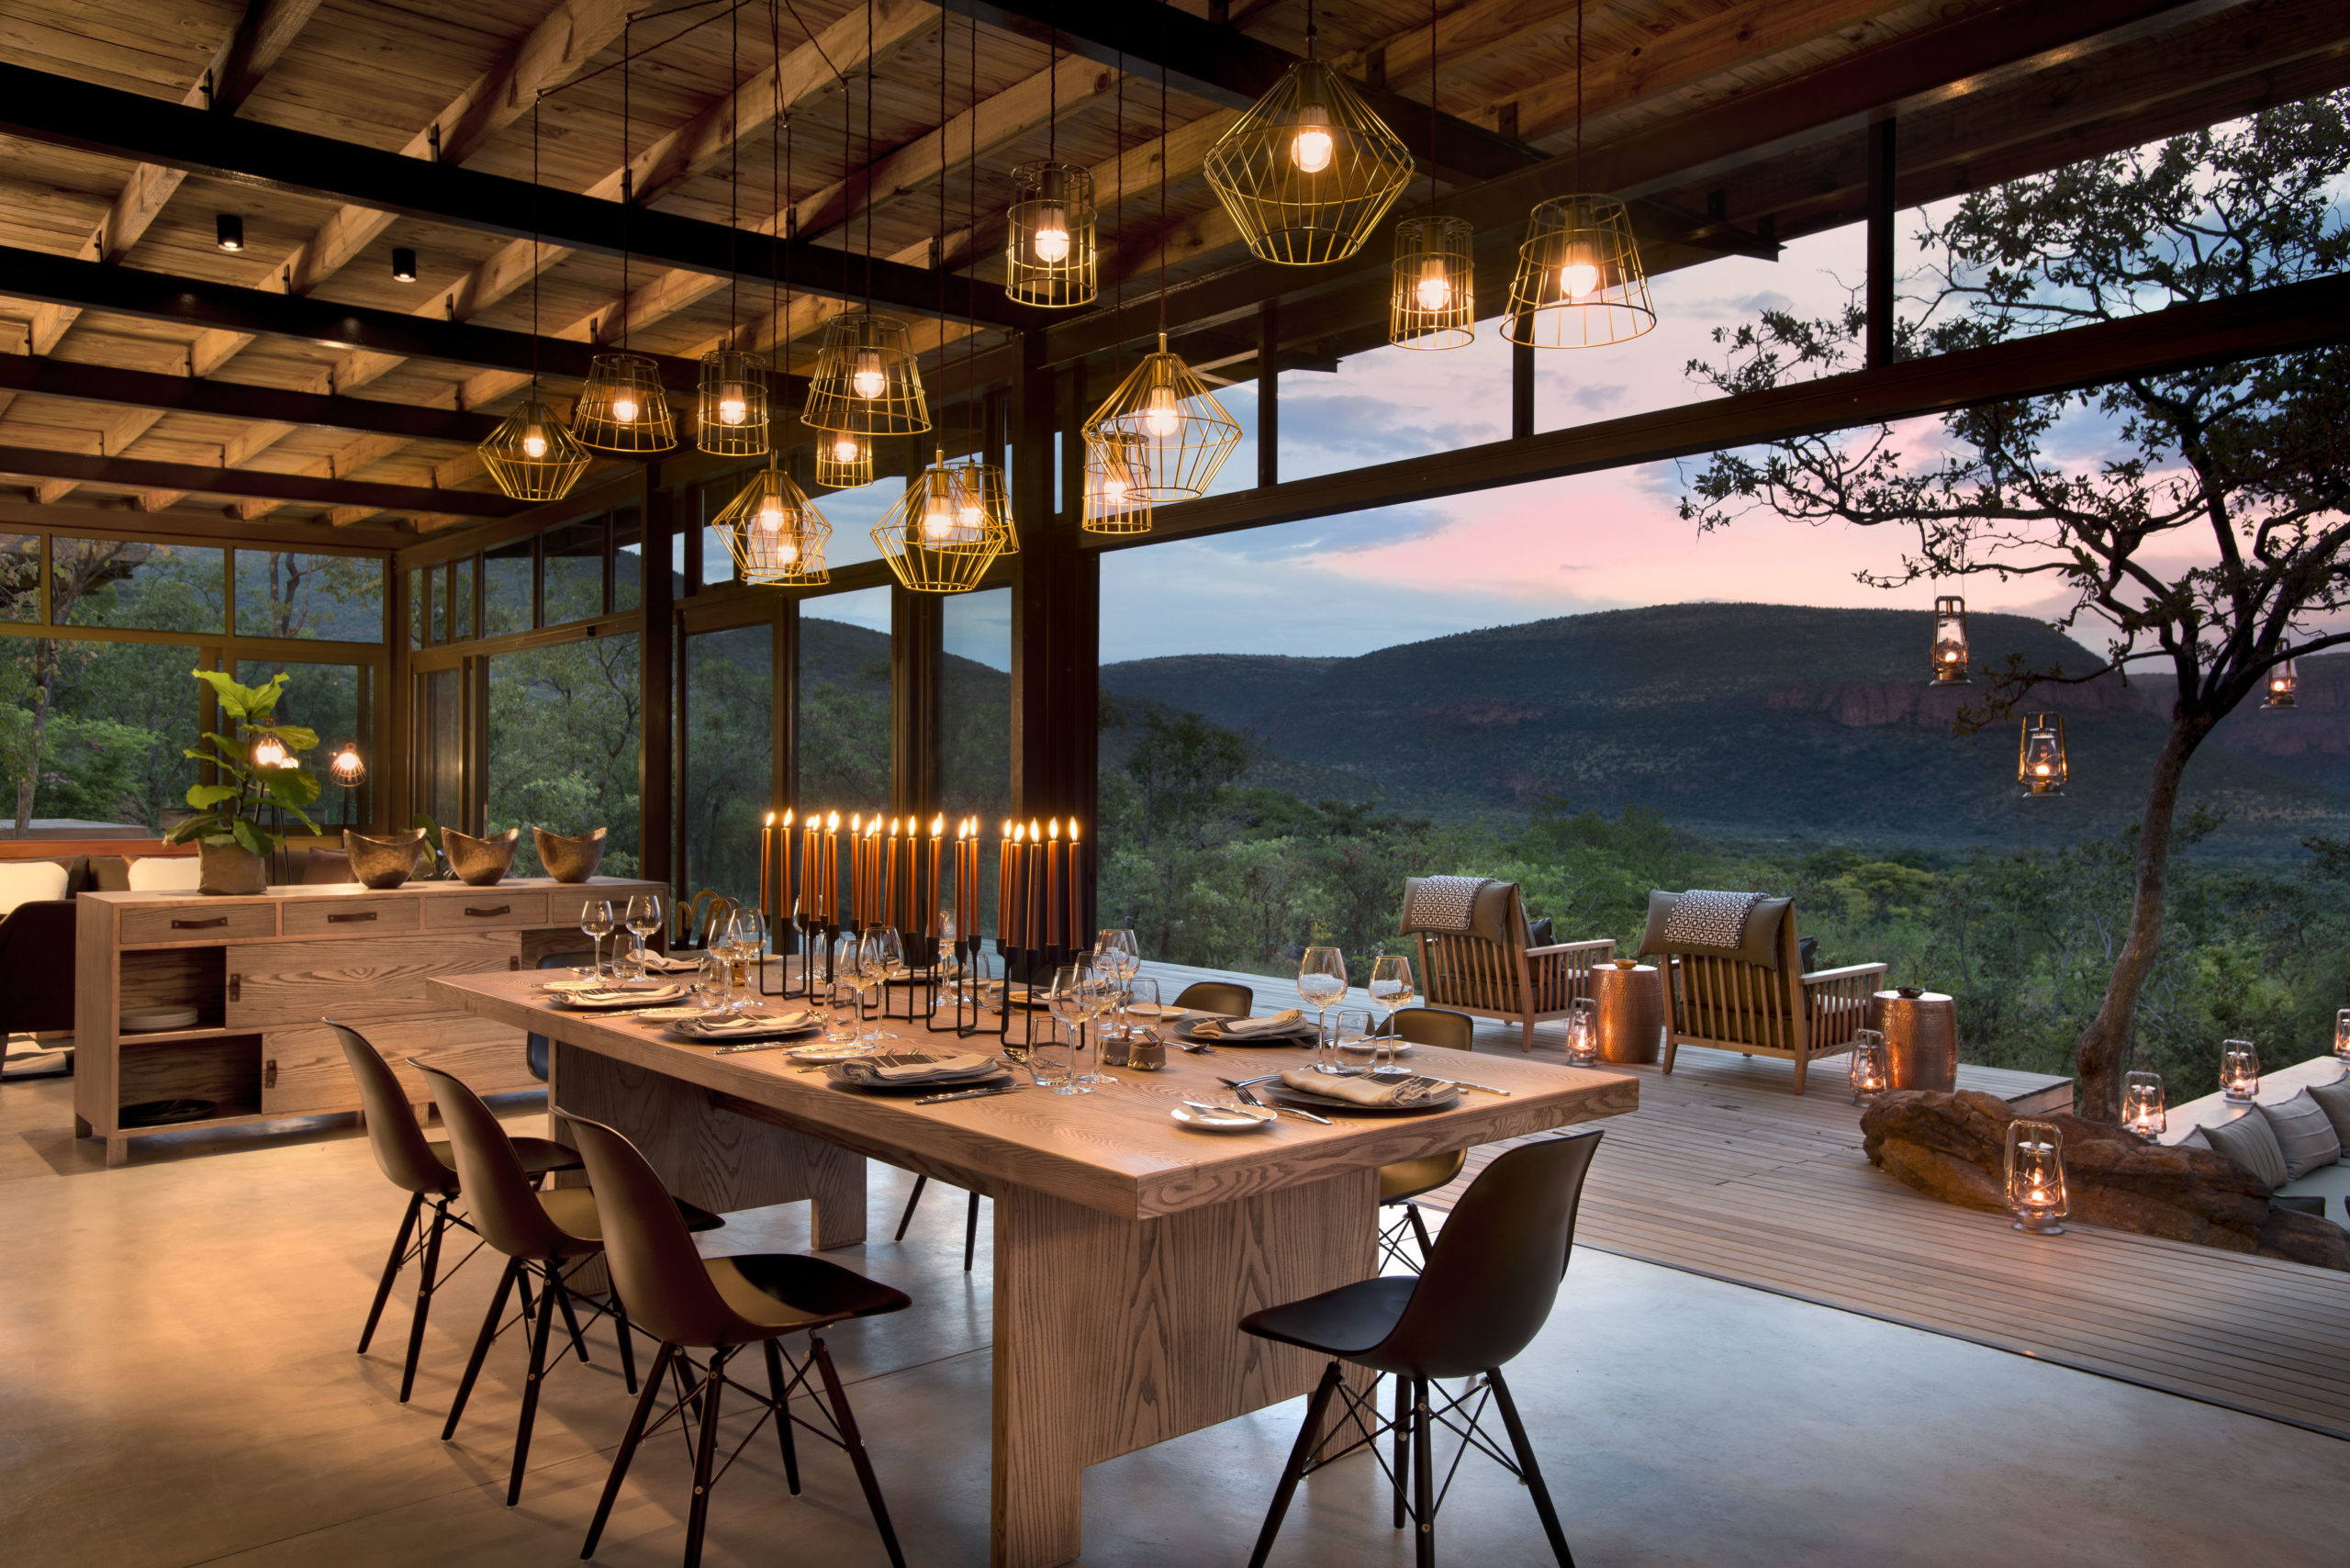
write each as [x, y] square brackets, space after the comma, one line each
[63, 112]
[2276, 320]
[142, 474]
[1223, 66]
[231, 400]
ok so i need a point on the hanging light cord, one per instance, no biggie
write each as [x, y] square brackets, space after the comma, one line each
[1162, 153]
[628, 180]
[1578, 94]
[733, 173]
[1433, 118]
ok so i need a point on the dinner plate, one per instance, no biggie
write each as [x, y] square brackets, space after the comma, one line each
[1202, 1122]
[579, 1002]
[1330, 1103]
[589, 982]
[1157, 1009]
[1185, 1026]
[766, 1029]
[1365, 1050]
[150, 1020]
[927, 1086]
[828, 1054]
[669, 1014]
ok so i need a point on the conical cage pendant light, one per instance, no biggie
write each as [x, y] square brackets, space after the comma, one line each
[1309, 171]
[623, 407]
[866, 380]
[775, 532]
[1184, 434]
[731, 409]
[532, 456]
[1116, 498]
[1580, 283]
[937, 537]
[1051, 256]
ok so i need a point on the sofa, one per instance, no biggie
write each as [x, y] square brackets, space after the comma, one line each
[2294, 1139]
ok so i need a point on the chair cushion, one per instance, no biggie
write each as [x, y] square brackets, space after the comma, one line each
[2305, 1135]
[1757, 943]
[165, 874]
[2334, 1099]
[30, 881]
[791, 1290]
[1410, 1177]
[2248, 1141]
[1542, 932]
[109, 874]
[1348, 1321]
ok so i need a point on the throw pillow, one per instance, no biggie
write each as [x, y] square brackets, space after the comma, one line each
[2334, 1099]
[325, 865]
[166, 874]
[1540, 934]
[29, 881]
[2248, 1142]
[2304, 1133]
[109, 874]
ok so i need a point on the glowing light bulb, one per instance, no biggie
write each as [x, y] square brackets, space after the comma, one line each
[1113, 487]
[844, 449]
[270, 751]
[624, 410]
[788, 551]
[1160, 417]
[867, 380]
[1579, 277]
[534, 441]
[1434, 290]
[770, 515]
[938, 522]
[1052, 244]
[733, 409]
[1312, 147]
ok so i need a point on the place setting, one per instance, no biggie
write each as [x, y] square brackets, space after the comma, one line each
[929, 1077]
[1288, 1027]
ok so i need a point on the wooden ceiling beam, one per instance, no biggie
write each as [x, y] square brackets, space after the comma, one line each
[145, 475]
[52, 378]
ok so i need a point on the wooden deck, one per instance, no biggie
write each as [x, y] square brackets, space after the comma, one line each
[1724, 1172]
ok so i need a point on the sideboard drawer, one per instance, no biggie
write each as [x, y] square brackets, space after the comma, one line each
[484, 909]
[350, 917]
[275, 984]
[195, 922]
[304, 1071]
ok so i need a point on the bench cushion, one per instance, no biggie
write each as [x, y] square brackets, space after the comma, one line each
[2248, 1141]
[2334, 1098]
[2304, 1133]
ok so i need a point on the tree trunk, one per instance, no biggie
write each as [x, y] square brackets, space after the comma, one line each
[2102, 1055]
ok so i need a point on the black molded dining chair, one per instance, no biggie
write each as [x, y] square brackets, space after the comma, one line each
[970, 1221]
[1217, 996]
[723, 1305]
[421, 1168]
[1408, 1179]
[1486, 1291]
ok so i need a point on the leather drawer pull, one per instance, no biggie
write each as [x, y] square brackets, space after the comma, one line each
[487, 913]
[199, 924]
[345, 919]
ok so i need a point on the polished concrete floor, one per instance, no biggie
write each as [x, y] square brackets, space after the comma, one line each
[177, 1386]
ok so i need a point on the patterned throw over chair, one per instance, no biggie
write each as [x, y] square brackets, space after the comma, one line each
[1478, 953]
[1738, 982]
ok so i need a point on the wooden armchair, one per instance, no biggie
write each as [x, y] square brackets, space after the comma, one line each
[1733, 1003]
[1508, 980]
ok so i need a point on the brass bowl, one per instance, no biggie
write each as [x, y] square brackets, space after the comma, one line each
[480, 862]
[569, 859]
[384, 862]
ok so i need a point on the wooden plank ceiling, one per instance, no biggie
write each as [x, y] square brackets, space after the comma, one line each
[528, 89]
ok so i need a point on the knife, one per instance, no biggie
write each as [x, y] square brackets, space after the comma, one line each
[740, 1047]
[1479, 1088]
[967, 1094]
[1245, 1092]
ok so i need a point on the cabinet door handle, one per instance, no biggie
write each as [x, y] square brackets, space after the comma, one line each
[347, 919]
[488, 914]
[199, 924]
[269, 1073]
[236, 985]
[514, 963]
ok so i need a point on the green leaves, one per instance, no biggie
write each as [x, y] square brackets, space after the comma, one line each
[252, 837]
[246, 704]
[203, 795]
[237, 810]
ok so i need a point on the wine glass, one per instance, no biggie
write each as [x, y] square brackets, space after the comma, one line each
[873, 972]
[1098, 993]
[644, 917]
[1120, 960]
[1068, 1003]
[1390, 986]
[595, 921]
[840, 964]
[1321, 981]
[747, 939]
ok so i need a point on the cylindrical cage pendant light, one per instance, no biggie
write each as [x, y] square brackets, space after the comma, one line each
[1580, 283]
[1051, 256]
[1184, 432]
[1309, 171]
[1432, 303]
[866, 380]
[844, 460]
[731, 409]
[774, 533]
[532, 456]
[622, 407]
[1117, 493]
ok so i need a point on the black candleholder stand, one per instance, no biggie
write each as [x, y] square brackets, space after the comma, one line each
[808, 940]
[969, 1018]
[1022, 966]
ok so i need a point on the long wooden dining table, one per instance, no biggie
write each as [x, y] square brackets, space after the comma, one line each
[1127, 1247]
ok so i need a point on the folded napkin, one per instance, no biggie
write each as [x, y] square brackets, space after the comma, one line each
[1288, 1022]
[1367, 1091]
[940, 1070]
[599, 995]
[664, 964]
[753, 1024]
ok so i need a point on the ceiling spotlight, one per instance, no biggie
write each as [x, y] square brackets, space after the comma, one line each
[228, 231]
[403, 263]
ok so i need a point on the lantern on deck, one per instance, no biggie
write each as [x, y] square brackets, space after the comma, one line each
[2283, 682]
[2041, 766]
[1583, 1034]
[1951, 657]
[2239, 1071]
[1868, 1071]
[2141, 1104]
[2035, 1172]
[2341, 1035]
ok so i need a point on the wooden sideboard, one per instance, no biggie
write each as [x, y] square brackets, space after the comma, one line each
[263, 972]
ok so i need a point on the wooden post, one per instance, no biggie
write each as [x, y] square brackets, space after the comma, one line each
[1882, 205]
[917, 633]
[657, 749]
[1521, 390]
[1269, 393]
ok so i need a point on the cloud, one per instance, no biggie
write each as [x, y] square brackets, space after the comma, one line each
[1347, 533]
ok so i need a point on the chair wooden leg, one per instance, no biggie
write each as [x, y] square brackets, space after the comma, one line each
[1671, 1045]
[1303, 1450]
[629, 1439]
[705, 1456]
[1403, 1445]
[1802, 1060]
[391, 1268]
[570, 1318]
[853, 1442]
[970, 1232]
[776, 1386]
[913, 1198]
[628, 1347]
[1423, 1478]
[1530, 1469]
[481, 1346]
[1528, 1046]
[544, 1330]
[428, 1277]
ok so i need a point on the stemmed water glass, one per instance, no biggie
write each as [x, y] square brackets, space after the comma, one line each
[841, 964]
[873, 973]
[1120, 956]
[595, 922]
[1068, 1001]
[645, 916]
[1321, 981]
[748, 941]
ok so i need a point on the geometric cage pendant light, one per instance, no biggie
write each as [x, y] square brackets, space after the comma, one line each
[1307, 173]
[775, 532]
[940, 535]
[731, 406]
[1170, 434]
[1579, 282]
[866, 380]
[622, 405]
[532, 456]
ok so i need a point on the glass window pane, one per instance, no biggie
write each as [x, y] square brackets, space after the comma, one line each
[120, 714]
[417, 593]
[575, 569]
[441, 743]
[461, 618]
[436, 616]
[851, 514]
[20, 576]
[845, 702]
[329, 699]
[975, 721]
[729, 725]
[628, 558]
[281, 593]
[506, 588]
[155, 588]
[563, 743]
[717, 495]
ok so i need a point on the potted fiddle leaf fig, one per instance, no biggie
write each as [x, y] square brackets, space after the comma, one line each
[262, 782]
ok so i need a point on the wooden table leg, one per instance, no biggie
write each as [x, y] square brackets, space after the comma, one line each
[1111, 1334]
